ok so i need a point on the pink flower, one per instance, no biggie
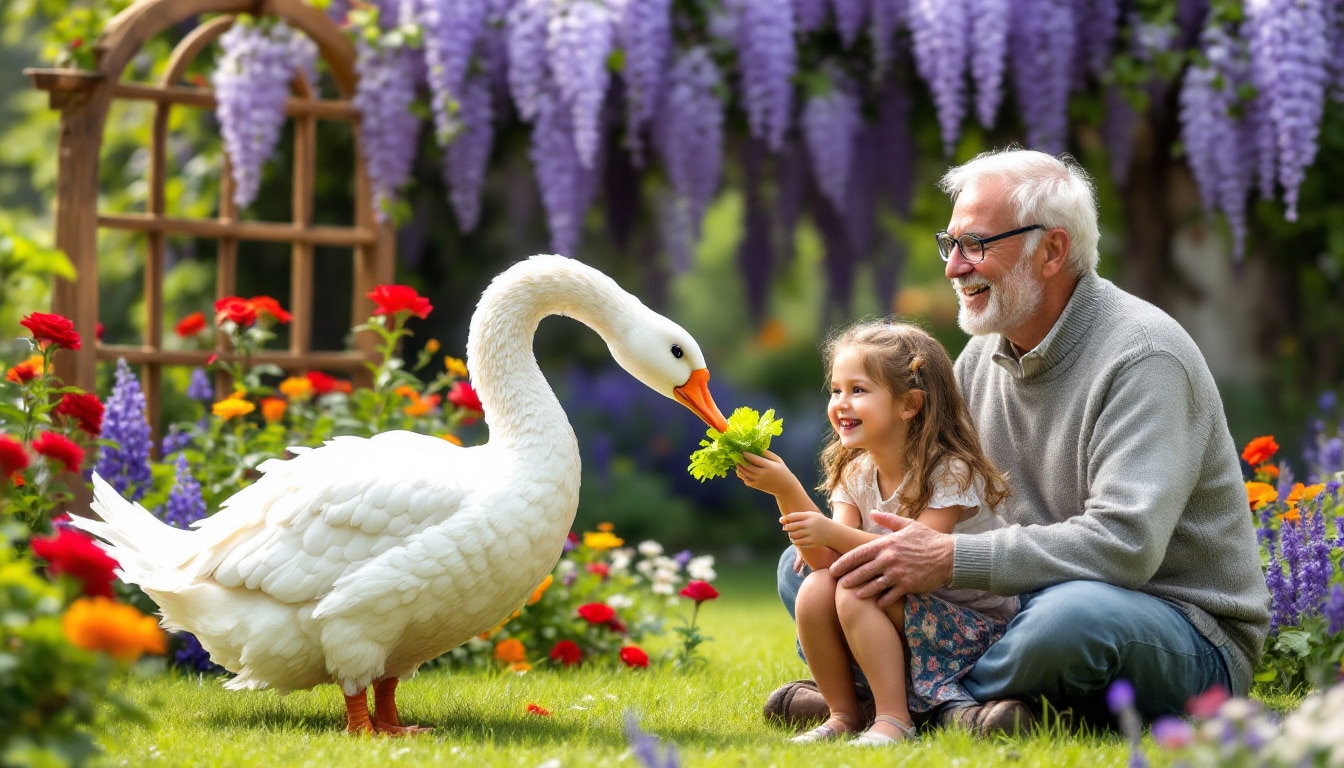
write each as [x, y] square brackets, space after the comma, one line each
[700, 591]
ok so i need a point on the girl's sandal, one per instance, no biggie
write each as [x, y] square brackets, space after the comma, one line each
[871, 738]
[825, 731]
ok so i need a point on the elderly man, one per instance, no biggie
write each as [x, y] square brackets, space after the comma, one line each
[1131, 542]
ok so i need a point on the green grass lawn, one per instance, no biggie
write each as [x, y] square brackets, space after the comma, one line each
[711, 714]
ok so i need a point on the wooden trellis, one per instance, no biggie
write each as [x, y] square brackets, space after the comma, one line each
[84, 99]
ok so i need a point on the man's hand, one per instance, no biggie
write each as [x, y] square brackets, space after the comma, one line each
[911, 560]
[808, 529]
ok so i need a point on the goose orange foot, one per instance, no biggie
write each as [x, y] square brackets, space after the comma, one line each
[385, 719]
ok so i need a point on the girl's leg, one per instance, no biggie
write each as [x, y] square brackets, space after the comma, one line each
[878, 647]
[827, 655]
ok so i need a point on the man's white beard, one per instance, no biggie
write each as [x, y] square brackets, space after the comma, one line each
[1012, 301]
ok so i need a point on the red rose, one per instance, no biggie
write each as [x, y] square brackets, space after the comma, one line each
[392, 299]
[236, 310]
[269, 306]
[700, 591]
[85, 409]
[567, 652]
[633, 656]
[322, 383]
[53, 329]
[191, 324]
[12, 456]
[75, 554]
[463, 396]
[59, 447]
[597, 613]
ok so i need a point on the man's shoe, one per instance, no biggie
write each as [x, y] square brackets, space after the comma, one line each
[799, 704]
[1001, 716]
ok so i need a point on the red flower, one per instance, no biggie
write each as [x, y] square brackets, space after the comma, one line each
[567, 652]
[53, 329]
[84, 408]
[463, 396]
[26, 371]
[700, 591]
[600, 569]
[236, 310]
[98, 331]
[269, 306]
[597, 613]
[75, 554]
[59, 447]
[322, 383]
[1205, 705]
[536, 709]
[191, 324]
[12, 456]
[1259, 450]
[392, 299]
[634, 656]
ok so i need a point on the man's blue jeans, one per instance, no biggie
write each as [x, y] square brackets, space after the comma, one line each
[1072, 640]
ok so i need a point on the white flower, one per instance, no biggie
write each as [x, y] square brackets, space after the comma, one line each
[662, 588]
[564, 570]
[701, 568]
[650, 548]
[620, 561]
[620, 602]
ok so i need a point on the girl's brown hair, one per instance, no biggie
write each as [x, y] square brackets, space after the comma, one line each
[902, 357]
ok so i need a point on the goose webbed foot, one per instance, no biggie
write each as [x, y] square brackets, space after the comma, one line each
[385, 719]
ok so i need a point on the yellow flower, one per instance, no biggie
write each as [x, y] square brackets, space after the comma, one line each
[418, 406]
[100, 624]
[601, 540]
[297, 388]
[1302, 492]
[273, 409]
[227, 409]
[455, 366]
[1260, 494]
[450, 437]
[540, 590]
[520, 667]
[510, 650]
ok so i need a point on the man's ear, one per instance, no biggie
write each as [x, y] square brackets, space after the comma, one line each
[911, 403]
[1056, 244]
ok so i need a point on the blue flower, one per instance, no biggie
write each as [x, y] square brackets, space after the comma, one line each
[200, 388]
[185, 504]
[126, 464]
[191, 656]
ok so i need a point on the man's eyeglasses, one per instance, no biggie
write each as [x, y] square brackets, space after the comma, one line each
[973, 246]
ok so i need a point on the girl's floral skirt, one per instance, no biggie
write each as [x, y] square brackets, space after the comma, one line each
[945, 641]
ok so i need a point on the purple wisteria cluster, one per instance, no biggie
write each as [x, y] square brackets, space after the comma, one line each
[389, 73]
[125, 463]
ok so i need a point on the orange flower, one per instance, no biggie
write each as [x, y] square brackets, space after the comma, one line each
[268, 306]
[100, 624]
[432, 346]
[1302, 492]
[273, 409]
[1291, 516]
[1259, 450]
[227, 409]
[191, 324]
[540, 590]
[1261, 494]
[510, 650]
[26, 371]
[1267, 471]
[455, 367]
[537, 709]
[297, 388]
[450, 437]
[520, 667]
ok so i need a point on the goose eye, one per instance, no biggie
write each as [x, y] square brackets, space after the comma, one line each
[676, 351]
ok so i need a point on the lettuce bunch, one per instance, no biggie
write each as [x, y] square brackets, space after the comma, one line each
[748, 432]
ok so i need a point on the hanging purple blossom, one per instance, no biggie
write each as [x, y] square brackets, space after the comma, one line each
[897, 148]
[767, 58]
[830, 122]
[1098, 25]
[1042, 41]
[810, 14]
[389, 131]
[888, 15]
[449, 30]
[940, 59]
[126, 464]
[989, 29]
[646, 37]
[185, 503]
[528, 71]
[579, 38]
[1118, 132]
[565, 184]
[689, 131]
[465, 159]
[849, 18]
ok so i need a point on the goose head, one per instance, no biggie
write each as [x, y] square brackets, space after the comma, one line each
[667, 359]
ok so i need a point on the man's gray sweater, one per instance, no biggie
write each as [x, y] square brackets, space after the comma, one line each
[1122, 470]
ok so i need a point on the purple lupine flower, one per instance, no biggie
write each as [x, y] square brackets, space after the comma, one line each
[830, 123]
[849, 18]
[1290, 59]
[450, 29]
[528, 72]
[648, 749]
[646, 37]
[199, 387]
[176, 440]
[689, 133]
[190, 656]
[809, 15]
[579, 39]
[767, 58]
[388, 129]
[1334, 610]
[185, 503]
[940, 59]
[887, 15]
[989, 29]
[466, 158]
[1330, 458]
[1042, 41]
[251, 82]
[559, 173]
[126, 464]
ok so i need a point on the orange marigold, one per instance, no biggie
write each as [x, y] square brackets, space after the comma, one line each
[1302, 492]
[100, 624]
[510, 650]
[297, 388]
[273, 409]
[1260, 494]
[540, 590]
[1259, 450]
[227, 409]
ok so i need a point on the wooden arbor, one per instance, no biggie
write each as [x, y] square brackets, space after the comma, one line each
[84, 99]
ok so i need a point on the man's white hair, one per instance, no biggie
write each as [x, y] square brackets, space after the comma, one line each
[1055, 192]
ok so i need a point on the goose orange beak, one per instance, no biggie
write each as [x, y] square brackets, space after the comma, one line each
[694, 394]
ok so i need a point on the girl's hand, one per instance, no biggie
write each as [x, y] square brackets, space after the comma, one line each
[767, 473]
[808, 529]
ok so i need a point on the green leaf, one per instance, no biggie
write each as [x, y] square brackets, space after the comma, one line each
[748, 432]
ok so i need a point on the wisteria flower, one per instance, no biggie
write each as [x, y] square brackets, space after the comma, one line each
[391, 299]
[51, 329]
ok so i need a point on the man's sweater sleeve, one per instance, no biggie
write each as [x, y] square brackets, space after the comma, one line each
[1143, 454]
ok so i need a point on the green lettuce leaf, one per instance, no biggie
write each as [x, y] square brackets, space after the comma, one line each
[748, 432]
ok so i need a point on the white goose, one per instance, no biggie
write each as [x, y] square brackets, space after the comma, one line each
[359, 560]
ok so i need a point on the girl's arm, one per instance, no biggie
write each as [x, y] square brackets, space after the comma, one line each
[824, 540]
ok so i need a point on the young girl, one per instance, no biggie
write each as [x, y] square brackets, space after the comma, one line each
[901, 442]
